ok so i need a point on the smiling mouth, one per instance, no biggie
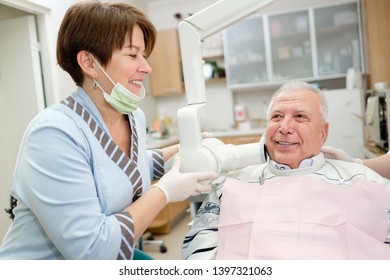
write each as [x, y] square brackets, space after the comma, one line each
[285, 144]
[138, 83]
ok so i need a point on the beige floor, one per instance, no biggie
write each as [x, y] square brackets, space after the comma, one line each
[172, 241]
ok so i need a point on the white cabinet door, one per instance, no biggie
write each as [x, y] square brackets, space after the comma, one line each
[338, 39]
[346, 116]
[245, 54]
[291, 49]
[21, 95]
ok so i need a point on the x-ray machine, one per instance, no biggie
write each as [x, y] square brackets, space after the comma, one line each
[209, 154]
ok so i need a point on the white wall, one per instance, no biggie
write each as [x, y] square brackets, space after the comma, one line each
[162, 12]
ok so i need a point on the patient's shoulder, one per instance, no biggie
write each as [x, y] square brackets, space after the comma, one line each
[354, 169]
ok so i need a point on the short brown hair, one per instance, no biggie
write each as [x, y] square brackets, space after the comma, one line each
[99, 28]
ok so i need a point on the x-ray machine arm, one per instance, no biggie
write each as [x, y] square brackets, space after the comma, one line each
[208, 154]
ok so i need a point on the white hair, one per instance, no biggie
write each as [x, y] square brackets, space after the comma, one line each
[298, 85]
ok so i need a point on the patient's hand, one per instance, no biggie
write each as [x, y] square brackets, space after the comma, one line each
[334, 153]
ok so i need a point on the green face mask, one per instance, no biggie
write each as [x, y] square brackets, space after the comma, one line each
[121, 99]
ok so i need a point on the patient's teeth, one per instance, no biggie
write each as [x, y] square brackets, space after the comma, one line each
[284, 143]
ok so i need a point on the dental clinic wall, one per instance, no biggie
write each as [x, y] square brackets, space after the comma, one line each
[219, 110]
[220, 101]
[218, 113]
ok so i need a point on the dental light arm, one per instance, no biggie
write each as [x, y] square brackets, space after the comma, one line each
[195, 156]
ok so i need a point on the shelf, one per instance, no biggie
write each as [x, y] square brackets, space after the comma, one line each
[247, 63]
[289, 36]
[213, 57]
[276, 83]
[215, 81]
[288, 59]
[335, 28]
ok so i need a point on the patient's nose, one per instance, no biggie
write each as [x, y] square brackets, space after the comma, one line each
[287, 125]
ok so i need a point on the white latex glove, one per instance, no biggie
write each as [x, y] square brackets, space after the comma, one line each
[206, 134]
[179, 186]
[334, 153]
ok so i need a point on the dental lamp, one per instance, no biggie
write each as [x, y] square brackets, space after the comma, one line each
[209, 154]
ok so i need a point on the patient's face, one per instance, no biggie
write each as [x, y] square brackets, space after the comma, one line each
[295, 129]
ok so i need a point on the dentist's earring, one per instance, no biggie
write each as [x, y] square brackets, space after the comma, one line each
[95, 83]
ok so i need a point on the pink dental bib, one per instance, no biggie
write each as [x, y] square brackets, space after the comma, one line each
[302, 217]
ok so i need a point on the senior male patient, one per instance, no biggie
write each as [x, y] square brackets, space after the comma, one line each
[298, 205]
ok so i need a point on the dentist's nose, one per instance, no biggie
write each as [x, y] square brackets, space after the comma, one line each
[144, 66]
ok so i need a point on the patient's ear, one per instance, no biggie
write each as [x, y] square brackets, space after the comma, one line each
[86, 63]
[324, 132]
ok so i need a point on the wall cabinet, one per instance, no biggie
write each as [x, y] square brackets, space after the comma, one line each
[378, 39]
[310, 44]
[165, 60]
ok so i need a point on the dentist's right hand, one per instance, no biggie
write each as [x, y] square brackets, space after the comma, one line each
[179, 186]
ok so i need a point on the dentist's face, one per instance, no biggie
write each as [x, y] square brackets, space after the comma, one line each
[128, 65]
[295, 129]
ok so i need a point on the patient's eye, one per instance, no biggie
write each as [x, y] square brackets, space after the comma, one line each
[301, 117]
[276, 116]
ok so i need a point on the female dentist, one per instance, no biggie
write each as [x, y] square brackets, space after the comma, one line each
[83, 173]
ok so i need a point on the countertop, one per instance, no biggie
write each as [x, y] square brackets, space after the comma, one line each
[156, 143]
[371, 151]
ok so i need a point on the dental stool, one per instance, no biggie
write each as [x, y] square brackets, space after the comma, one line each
[141, 255]
[148, 239]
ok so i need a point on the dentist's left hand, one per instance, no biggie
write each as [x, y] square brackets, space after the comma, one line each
[335, 153]
[179, 186]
